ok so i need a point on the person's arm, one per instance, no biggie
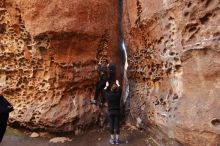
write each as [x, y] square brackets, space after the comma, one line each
[104, 92]
[106, 85]
[117, 83]
[119, 91]
[119, 87]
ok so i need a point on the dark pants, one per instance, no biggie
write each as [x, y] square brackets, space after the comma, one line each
[99, 90]
[3, 124]
[114, 120]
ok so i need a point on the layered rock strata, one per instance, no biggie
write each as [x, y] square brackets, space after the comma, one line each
[173, 53]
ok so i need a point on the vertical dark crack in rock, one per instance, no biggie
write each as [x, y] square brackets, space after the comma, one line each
[123, 50]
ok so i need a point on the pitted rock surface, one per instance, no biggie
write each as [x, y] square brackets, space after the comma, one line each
[174, 67]
[49, 54]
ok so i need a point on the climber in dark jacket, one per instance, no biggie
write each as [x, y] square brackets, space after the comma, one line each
[5, 109]
[100, 84]
[105, 74]
[113, 98]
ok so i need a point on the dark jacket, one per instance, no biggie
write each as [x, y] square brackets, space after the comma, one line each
[112, 75]
[101, 83]
[5, 106]
[113, 99]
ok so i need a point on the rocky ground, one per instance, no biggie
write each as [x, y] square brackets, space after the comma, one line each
[95, 137]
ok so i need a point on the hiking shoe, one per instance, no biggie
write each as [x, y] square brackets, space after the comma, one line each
[117, 141]
[111, 141]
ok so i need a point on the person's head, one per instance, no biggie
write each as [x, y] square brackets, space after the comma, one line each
[114, 88]
[112, 71]
[112, 68]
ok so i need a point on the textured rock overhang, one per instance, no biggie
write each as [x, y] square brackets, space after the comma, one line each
[49, 53]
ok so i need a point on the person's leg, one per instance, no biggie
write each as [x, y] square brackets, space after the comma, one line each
[111, 123]
[102, 99]
[3, 125]
[97, 91]
[117, 128]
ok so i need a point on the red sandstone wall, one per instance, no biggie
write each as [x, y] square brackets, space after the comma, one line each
[174, 67]
[49, 54]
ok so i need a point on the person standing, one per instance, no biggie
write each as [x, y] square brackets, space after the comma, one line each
[113, 98]
[5, 109]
